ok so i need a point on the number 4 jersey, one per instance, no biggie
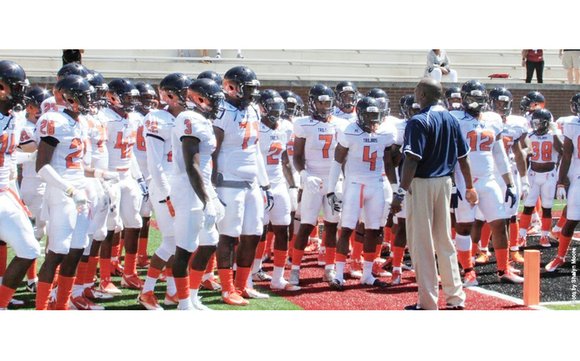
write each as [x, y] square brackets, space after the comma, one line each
[121, 135]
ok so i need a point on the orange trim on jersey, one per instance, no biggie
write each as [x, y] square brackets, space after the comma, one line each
[361, 198]
[17, 198]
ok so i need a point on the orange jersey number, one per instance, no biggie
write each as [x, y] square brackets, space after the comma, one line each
[73, 160]
[327, 138]
[484, 145]
[140, 140]
[274, 153]
[543, 150]
[248, 132]
[123, 145]
[370, 157]
[6, 146]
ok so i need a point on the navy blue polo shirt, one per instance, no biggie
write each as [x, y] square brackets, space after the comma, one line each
[434, 136]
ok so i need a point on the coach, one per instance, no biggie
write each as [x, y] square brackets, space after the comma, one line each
[433, 146]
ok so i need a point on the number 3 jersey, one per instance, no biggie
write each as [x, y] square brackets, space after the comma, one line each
[121, 137]
[321, 139]
[365, 152]
[273, 142]
[71, 136]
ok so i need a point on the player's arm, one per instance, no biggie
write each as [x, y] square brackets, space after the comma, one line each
[219, 138]
[520, 158]
[154, 146]
[558, 147]
[299, 158]
[262, 175]
[190, 148]
[287, 170]
[340, 154]
[396, 155]
[567, 150]
[389, 166]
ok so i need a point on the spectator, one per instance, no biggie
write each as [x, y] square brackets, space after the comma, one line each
[571, 61]
[533, 59]
[72, 56]
[438, 66]
[433, 145]
[239, 54]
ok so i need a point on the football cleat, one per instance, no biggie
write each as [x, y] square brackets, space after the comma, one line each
[322, 256]
[107, 287]
[375, 282]
[545, 242]
[132, 282]
[234, 299]
[355, 269]
[517, 257]
[522, 241]
[211, 284]
[483, 257]
[197, 305]
[171, 300]
[117, 269]
[336, 285]
[149, 301]
[261, 276]
[513, 270]
[509, 277]
[253, 293]
[535, 229]
[31, 287]
[81, 303]
[555, 263]
[294, 277]
[470, 279]
[313, 245]
[396, 278]
[15, 302]
[378, 270]
[284, 285]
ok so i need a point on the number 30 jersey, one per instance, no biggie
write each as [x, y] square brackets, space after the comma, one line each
[121, 135]
[273, 143]
[321, 140]
[70, 150]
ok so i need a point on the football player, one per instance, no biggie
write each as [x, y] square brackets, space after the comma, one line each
[486, 154]
[346, 97]
[159, 125]
[453, 98]
[363, 150]
[241, 181]
[15, 228]
[314, 144]
[52, 103]
[546, 148]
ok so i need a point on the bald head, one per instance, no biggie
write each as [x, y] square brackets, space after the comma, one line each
[428, 92]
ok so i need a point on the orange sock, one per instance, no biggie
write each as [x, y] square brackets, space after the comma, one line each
[130, 264]
[563, 245]
[351, 240]
[182, 286]
[64, 291]
[525, 220]
[330, 255]
[465, 260]
[241, 279]
[211, 264]
[280, 258]
[546, 224]
[340, 257]
[3, 258]
[91, 269]
[501, 256]
[297, 257]
[514, 233]
[260, 250]
[378, 251]
[81, 273]
[369, 256]
[195, 279]
[398, 254]
[357, 250]
[315, 232]
[106, 267]
[31, 273]
[561, 221]
[226, 279]
[485, 235]
[269, 242]
[42, 293]
[388, 237]
[153, 272]
[6, 294]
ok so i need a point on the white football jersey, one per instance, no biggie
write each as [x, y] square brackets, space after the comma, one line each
[364, 163]
[560, 124]
[513, 128]
[71, 135]
[481, 136]
[140, 148]
[237, 157]
[10, 130]
[49, 105]
[543, 148]
[572, 132]
[399, 125]
[28, 135]
[351, 117]
[159, 124]
[273, 143]
[121, 135]
[193, 124]
[320, 142]
[97, 132]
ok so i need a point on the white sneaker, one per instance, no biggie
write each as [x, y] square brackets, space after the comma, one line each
[261, 276]
[283, 285]
[294, 277]
[197, 305]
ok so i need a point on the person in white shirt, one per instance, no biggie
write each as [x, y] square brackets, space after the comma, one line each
[438, 66]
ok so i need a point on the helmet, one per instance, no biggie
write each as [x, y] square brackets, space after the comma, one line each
[207, 96]
[453, 98]
[176, 84]
[122, 94]
[13, 84]
[241, 86]
[98, 82]
[291, 102]
[501, 101]
[473, 96]
[346, 95]
[76, 93]
[369, 115]
[541, 120]
[73, 68]
[299, 106]
[381, 96]
[147, 96]
[320, 101]
[272, 104]
[36, 95]
[210, 74]
[532, 101]
[408, 106]
[575, 104]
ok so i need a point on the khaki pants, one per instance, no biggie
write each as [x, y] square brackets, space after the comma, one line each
[429, 233]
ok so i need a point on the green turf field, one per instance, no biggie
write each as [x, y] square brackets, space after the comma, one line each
[569, 307]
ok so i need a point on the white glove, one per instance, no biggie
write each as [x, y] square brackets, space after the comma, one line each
[293, 193]
[525, 190]
[78, 196]
[112, 177]
[561, 192]
[310, 183]
[210, 215]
